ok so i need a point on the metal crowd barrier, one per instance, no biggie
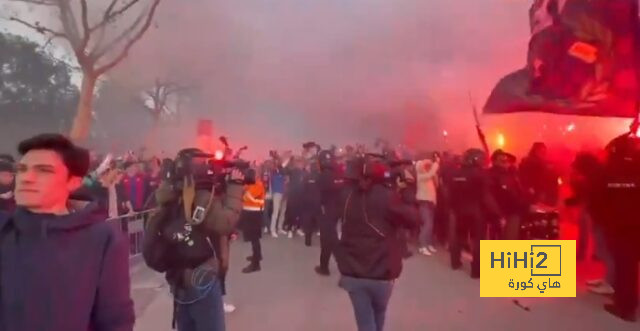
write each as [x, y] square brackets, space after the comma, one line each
[132, 226]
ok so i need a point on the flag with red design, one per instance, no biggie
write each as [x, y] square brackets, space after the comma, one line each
[582, 60]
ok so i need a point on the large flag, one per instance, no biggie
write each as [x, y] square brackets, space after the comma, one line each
[582, 60]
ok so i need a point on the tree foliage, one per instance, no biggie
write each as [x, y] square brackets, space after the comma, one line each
[36, 91]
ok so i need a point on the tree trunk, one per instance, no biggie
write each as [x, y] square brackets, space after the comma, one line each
[82, 122]
[151, 142]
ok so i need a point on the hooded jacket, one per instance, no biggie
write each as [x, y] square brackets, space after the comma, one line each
[63, 273]
[370, 247]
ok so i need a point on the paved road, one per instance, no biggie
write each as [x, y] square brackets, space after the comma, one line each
[288, 296]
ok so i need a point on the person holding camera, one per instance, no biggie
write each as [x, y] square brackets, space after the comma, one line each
[426, 173]
[369, 253]
[187, 237]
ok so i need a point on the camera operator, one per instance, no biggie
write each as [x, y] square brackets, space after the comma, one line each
[369, 254]
[614, 207]
[472, 204]
[187, 238]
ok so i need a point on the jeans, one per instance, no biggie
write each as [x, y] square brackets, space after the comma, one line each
[206, 314]
[279, 210]
[426, 210]
[603, 251]
[370, 299]
[584, 230]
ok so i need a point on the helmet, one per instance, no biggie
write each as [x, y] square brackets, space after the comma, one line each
[625, 149]
[326, 159]
[474, 157]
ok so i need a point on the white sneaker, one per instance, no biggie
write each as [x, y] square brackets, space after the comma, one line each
[274, 235]
[432, 249]
[283, 232]
[290, 235]
[424, 251]
[595, 282]
[300, 233]
[265, 231]
[602, 289]
[229, 308]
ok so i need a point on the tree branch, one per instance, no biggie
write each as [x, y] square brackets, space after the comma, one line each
[100, 52]
[110, 14]
[39, 2]
[86, 31]
[39, 28]
[69, 24]
[131, 42]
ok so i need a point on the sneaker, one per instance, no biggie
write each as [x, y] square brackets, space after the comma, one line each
[466, 256]
[253, 267]
[274, 234]
[322, 271]
[432, 249]
[283, 232]
[595, 282]
[300, 233]
[265, 231]
[424, 251]
[602, 289]
[290, 234]
[229, 308]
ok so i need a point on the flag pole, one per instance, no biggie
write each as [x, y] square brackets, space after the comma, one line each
[481, 136]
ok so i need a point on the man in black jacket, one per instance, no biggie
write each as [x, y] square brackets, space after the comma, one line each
[369, 254]
[62, 267]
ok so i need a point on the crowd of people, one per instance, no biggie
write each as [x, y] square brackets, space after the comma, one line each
[370, 207]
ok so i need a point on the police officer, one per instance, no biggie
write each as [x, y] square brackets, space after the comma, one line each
[615, 208]
[311, 211]
[508, 193]
[330, 185]
[472, 204]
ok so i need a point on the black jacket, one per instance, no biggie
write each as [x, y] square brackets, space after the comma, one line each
[507, 191]
[370, 247]
[471, 193]
[62, 273]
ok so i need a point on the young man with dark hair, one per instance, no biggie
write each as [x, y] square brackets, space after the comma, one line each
[61, 266]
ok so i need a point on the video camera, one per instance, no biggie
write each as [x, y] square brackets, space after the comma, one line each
[207, 170]
[377, 167]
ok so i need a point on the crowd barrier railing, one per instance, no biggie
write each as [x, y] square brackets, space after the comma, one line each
[132, 226]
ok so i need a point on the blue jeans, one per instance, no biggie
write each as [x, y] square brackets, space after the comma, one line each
[206, 314]
[369, 298]
[426, 210]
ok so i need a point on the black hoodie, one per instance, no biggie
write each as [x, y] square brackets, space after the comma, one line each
[370, 247]
[63, 273]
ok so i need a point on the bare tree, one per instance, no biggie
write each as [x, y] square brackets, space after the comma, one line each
[157, 100]
[95, 53]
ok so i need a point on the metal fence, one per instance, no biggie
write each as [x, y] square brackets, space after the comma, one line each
[132, 226]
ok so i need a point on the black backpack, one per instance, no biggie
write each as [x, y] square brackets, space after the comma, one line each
[172, 243]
